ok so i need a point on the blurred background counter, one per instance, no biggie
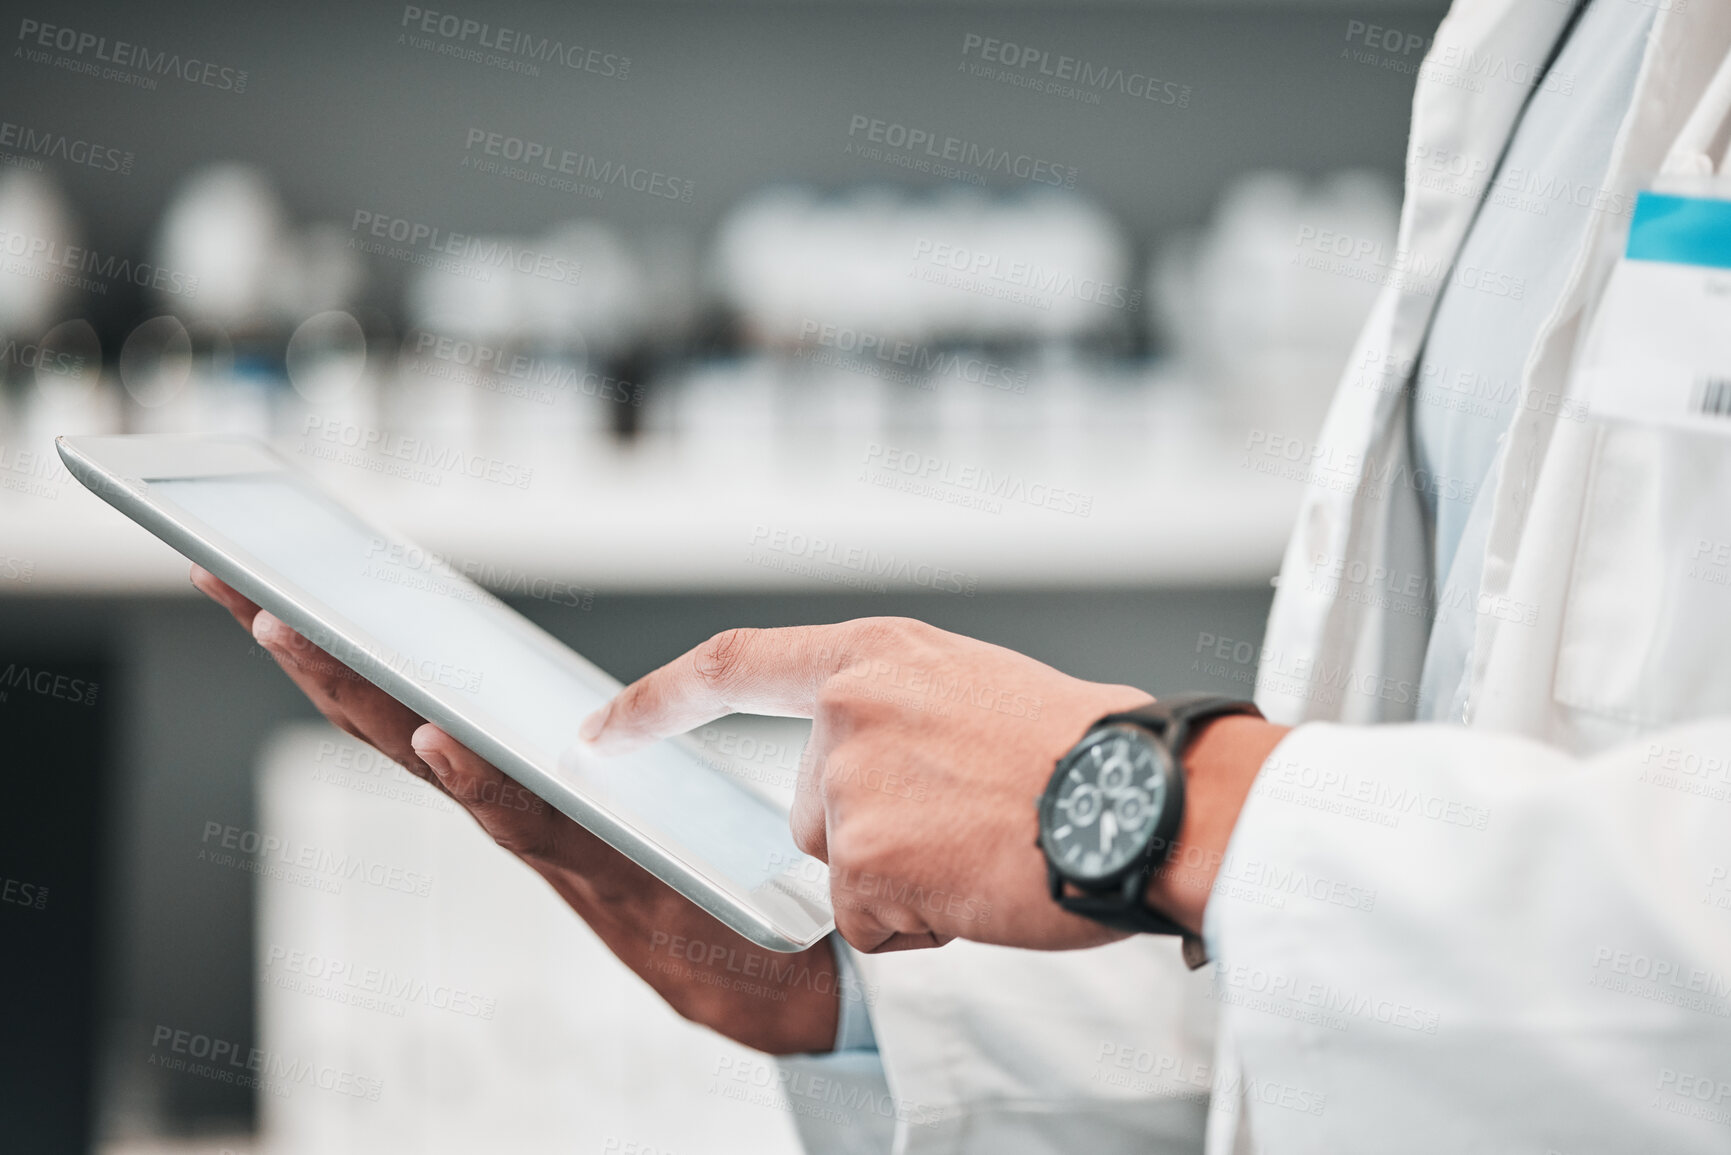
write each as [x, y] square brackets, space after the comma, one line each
[1157, 502]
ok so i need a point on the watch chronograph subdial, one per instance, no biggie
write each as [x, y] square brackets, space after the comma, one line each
[1134, 808]
[1083, 805]
[1116, 768]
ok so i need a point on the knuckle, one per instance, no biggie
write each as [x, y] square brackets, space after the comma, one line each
[871, 634]
[807, 825]
[843, 850]
[854, 851]
[522, 839]
[860, 929]
[496, 803]
[809, 838]
[831, 794]
[467, 792]
[837, 695]
[717, 661]
[636, 699]
[851, 702]
[854, 930]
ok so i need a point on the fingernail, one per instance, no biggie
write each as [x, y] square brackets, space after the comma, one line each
[594, 724]
[433, 758]
[264, 631]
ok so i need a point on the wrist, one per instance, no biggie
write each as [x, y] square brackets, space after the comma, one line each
[1221, 763]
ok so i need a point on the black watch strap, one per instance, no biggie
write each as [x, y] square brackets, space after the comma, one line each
[1133, 915]
[1121, 912]
[1172, 719]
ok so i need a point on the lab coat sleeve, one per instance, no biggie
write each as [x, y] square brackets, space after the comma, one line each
[993, 1051]
[840, 1100]
[1432, 938]
[996, 1051]
[990, 1051]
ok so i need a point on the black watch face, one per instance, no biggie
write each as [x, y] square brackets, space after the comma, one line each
[1103, 803]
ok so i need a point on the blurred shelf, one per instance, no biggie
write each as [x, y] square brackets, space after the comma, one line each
[659, 520]
[236, 1144]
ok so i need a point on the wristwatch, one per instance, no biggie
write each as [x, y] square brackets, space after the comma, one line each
[1113, 807]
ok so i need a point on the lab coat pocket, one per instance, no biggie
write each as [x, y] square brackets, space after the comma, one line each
[1646, 632]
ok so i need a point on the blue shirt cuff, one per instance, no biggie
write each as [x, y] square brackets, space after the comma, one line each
[853, 1030]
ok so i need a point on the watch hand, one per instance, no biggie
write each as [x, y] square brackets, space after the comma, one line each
[1107, 835]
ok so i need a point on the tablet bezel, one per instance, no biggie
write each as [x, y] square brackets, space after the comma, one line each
[119, 468]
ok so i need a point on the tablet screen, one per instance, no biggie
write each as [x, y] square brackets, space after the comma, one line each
[476, 654]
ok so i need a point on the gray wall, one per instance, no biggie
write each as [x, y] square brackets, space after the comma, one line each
[730, 96]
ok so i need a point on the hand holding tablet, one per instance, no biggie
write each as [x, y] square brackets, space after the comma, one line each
[788, 1007]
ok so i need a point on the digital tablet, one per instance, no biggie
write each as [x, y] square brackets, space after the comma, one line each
[461, 658]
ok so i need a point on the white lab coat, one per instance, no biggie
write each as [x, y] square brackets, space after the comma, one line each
[1512, 934]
